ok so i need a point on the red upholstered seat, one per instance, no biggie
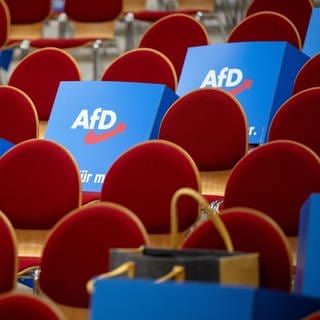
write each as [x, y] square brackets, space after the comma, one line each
[188, 32]
[78, 250]
[144, 179]
[142, 65]
[275, 178]
[8, 255]
[309, 75]
[18, 116]
[297, 11]
[265, 26]
[39, 75]
[18, 306]
[298, 119]
[210, 125]
[251, 231]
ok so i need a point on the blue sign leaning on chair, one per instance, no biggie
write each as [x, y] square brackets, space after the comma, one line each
[259, 74]
[98, 120]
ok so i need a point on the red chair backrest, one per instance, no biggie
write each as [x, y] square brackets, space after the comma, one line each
[251, 231]
[39, 75]
[266, 26]
[173, 35]
[77, 249]
[298, 11]
[275, 178]
[39, 183]
[213, 131]
[298, 119]
[144, 179]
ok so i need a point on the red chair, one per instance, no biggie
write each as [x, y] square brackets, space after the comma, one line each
[144, 179]
[39, 184]
[91, 25]
[298, 11]
[275, 178]
[48, 67]
[142, 65]
[265, 26]
[27, 19]
[298, 119]
[17, 306]
[250, 231]
[188, 32]
[77, 250]
[18, 116]
[137, 11]
[308, 76]
[208, 114]
[199, 121]
[8, 256]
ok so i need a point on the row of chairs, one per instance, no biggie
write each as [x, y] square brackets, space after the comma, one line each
[76, 245]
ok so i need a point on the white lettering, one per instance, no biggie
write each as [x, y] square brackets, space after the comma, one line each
[226, 77]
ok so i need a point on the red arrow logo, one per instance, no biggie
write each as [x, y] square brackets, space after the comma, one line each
[91, 137]
[245, 85]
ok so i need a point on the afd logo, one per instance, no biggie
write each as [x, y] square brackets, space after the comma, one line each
[99, 119]
[228, 78]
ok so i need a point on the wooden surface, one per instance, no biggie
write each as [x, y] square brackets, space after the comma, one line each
[214, 182]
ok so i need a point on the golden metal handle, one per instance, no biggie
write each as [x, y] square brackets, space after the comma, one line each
[128, 267]
[218, 223]
[177, 273]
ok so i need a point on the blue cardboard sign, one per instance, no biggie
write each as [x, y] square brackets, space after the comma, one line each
[122, 299]
[308, 256]
[98, 120]
[311, 45]
[259, 74]
[5, 145]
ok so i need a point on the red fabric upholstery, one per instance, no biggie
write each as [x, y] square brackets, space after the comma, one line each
[18, 115]
[173, 35]
[144, 179]
[142, 65]
[251, 231]
[275, 178]
[8, 255]
[297, 11]
[309, 75]
[266, 26]
[298, 119]
[154, 15]
[39, 183]
[5, 21]
[77, 249]
[90, 196]
[48, 67]
[18, 306]
[28, 11]
[27, 262]
[98, 10]
[210, 125]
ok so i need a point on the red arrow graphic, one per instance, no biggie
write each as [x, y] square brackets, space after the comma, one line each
[91, 137]
[245, 85]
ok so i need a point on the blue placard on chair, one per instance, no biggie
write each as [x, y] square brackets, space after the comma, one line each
[5, 145]
[98, 120]
[308, 256]
[311, 45]
[259, 74]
